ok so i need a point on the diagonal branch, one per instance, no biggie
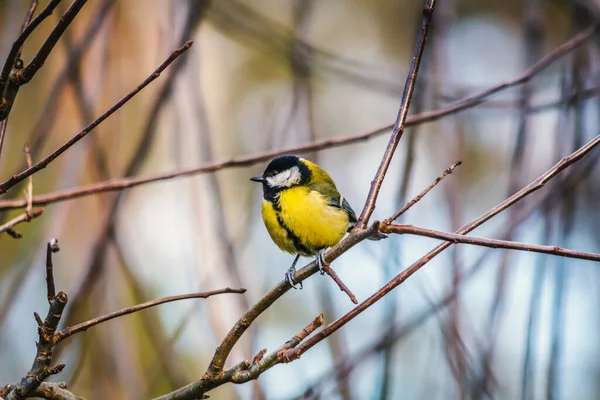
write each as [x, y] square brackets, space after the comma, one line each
[25, 217]
[25, 74]
[44, 163]
[21, 75]
[18, 44]
[244, 371]
[398, 128]
[71, 330]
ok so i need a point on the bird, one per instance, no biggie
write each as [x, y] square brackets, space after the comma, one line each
[302, 209]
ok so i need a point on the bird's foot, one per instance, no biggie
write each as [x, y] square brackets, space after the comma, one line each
[289, 278]
[321, 262]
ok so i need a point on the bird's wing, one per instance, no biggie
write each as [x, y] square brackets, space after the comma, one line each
[341, 202]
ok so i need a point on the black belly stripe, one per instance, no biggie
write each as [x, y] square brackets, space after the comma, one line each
[300, 248]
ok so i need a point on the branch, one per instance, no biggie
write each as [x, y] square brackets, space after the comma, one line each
[22, 75]
[42, 164]
[71, 330]
[52, 247]
[244, 371]
[398, 128]
[25, 75]
[418, 198]
[329, 271]
[491, 243]
[527, 190]
[54, 391]
[25, 217]
[41, 368]
[14, 51]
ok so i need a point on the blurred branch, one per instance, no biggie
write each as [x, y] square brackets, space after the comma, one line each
[18, 44]
[457, 106]
[25, 217]
[10, 82]
[42, 164]
[95, 268]
[399, 125]
[69, 331]
[24, 75]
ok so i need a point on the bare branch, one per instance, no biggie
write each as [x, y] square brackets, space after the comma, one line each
[42, 164]
[52, 247]
[329, 271]
[25, 75]
[418, 198]
[244, 371]
[54, 391]
[16, 47]
[25, 217]
[29, 195]
[492, 243]
[399, 125]
[71, 330]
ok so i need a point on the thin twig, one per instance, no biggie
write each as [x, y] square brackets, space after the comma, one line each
[29, 195]
[14, 51]
[3, 125]
[25, 217]
[418, 198]
[71, 330]
[398, 128]
[26, 22]
[42, 164]
[21, 75]
[25, 74]
[52, 247]
[329, 271]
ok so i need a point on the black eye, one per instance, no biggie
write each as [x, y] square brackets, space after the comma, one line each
[275, 172]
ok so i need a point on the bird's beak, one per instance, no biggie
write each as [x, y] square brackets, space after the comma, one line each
[257, 178]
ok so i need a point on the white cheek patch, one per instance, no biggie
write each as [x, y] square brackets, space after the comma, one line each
[285, 178]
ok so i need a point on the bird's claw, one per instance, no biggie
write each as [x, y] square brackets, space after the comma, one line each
[289, 278]
[321, 262]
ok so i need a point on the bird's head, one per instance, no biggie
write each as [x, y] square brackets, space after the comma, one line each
[284, 172]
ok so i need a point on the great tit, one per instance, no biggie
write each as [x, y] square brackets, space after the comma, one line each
[302, 209]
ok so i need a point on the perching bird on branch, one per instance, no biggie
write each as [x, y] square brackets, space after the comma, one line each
[302, 209]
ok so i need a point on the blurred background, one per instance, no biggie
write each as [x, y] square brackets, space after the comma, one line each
[271, 74]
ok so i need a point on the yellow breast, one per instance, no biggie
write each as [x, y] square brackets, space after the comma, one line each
[303, 222]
